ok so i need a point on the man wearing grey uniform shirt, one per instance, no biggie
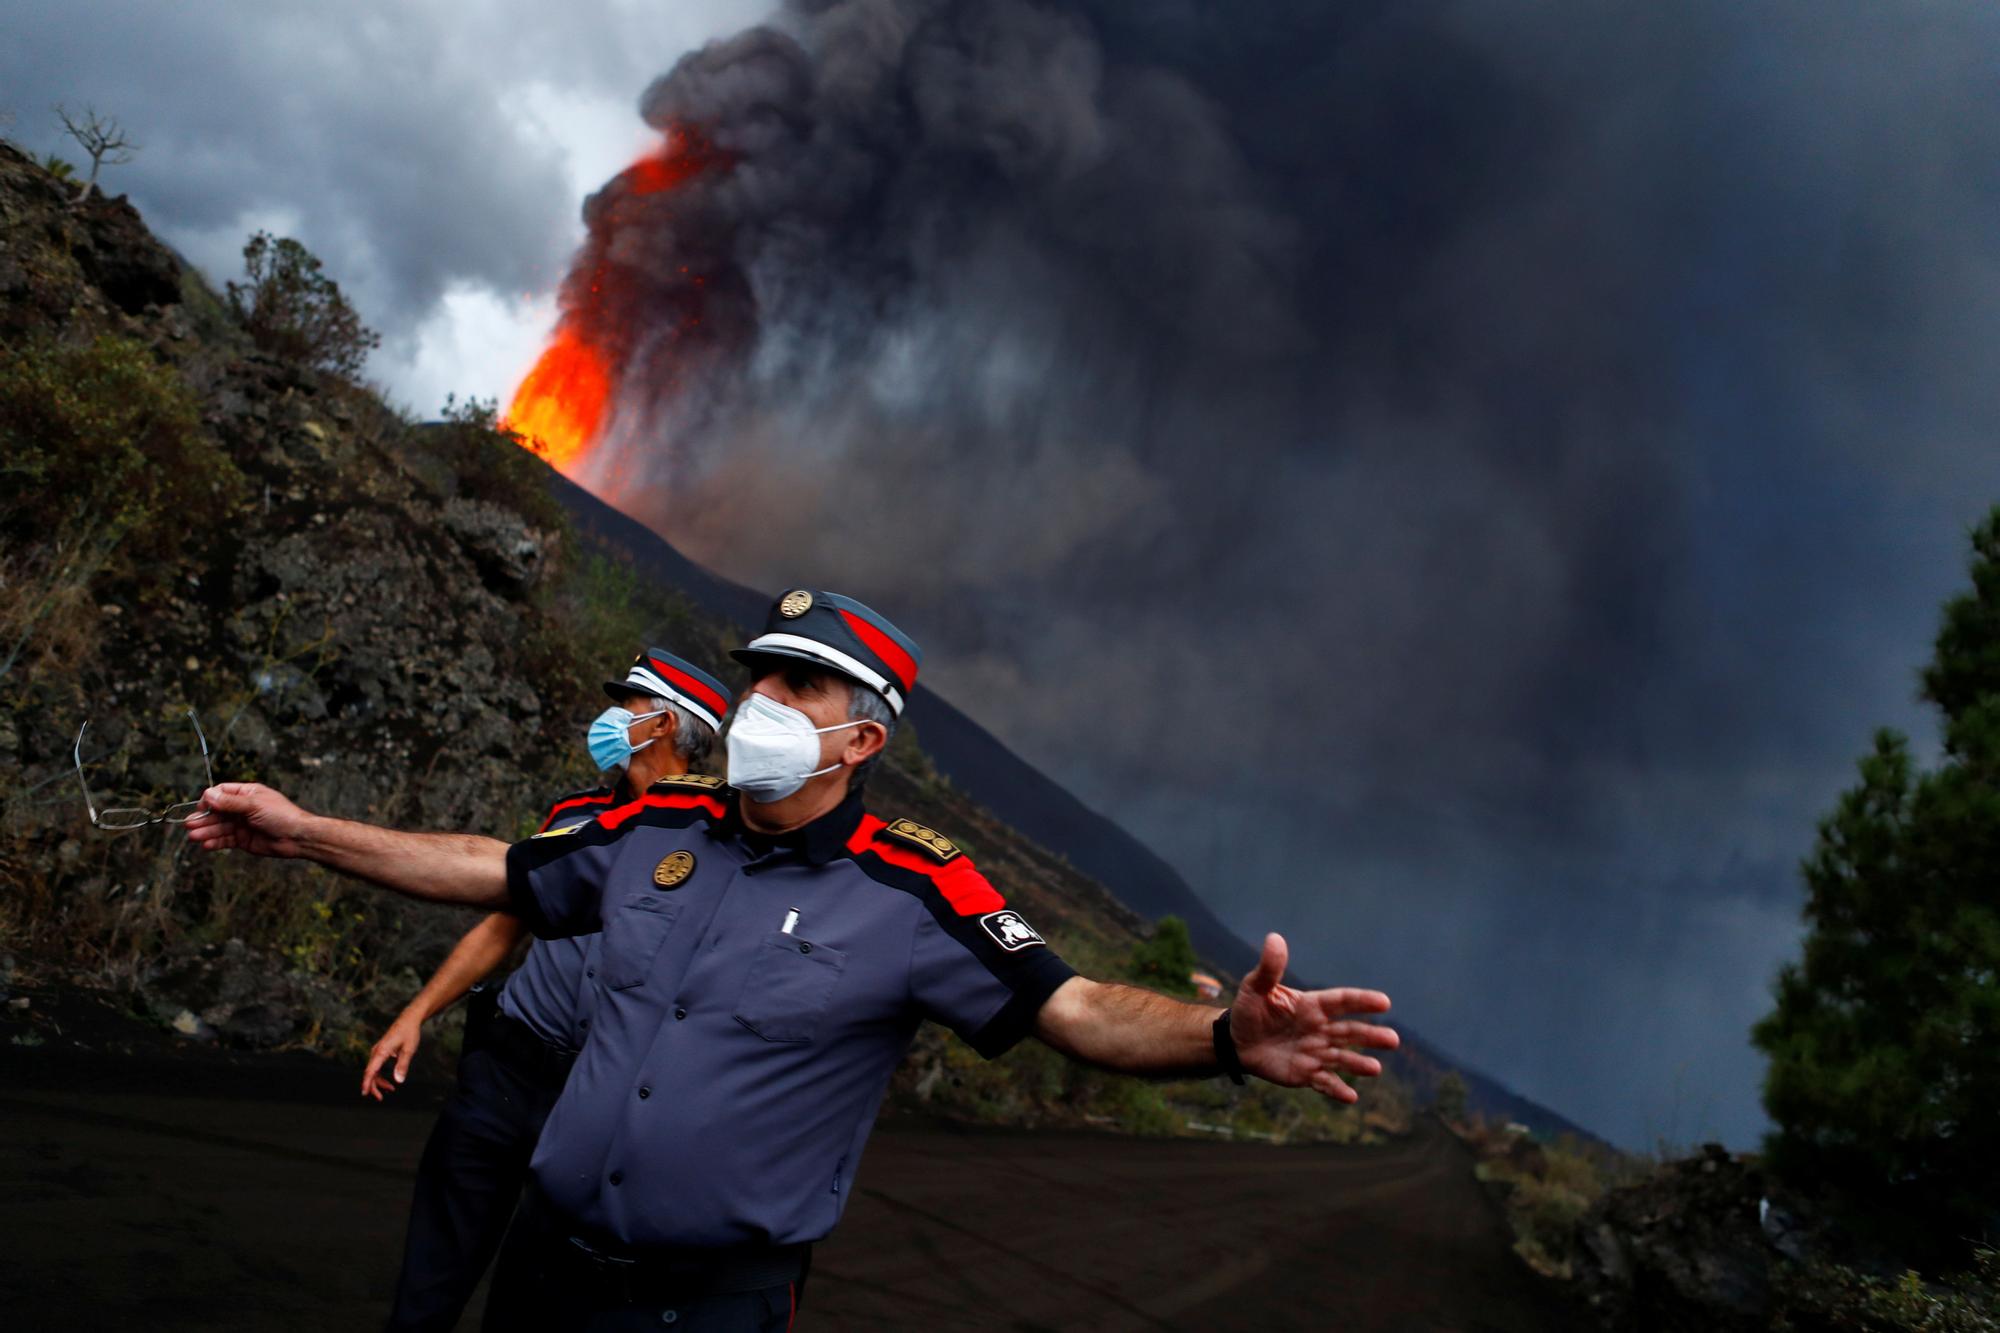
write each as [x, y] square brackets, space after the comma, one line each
[663, 719]
[769, 950]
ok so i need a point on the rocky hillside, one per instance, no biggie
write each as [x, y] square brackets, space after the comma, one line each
[1718, 1243]
[389, 620]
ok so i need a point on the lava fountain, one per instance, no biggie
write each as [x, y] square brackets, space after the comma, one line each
[559, 408]
[564, 404]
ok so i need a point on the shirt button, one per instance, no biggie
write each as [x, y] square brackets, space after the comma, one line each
[618, 1177]
[669, 1316]
[680, 1013]
[805, 948]
[590, 971]
[644, 1093]
[583, 1022]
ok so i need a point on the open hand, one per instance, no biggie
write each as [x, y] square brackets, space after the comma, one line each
[248, 817]
[400, 1044]
[1304, 1038]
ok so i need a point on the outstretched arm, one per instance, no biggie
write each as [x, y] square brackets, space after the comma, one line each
[443, 867]
[482, 949]
[1290, 1037]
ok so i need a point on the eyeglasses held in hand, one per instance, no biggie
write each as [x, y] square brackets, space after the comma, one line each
[131, 817]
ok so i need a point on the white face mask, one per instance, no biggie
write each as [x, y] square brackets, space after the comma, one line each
[772, 749]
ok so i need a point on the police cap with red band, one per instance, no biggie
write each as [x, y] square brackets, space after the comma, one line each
[842, 635]
[665, 676]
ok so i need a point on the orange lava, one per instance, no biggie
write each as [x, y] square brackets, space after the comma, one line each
[563, 403]
[560, 405]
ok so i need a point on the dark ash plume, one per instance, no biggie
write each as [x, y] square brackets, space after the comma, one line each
[1462, 479]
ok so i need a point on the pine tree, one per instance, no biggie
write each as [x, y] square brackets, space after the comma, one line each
[1884, 1048]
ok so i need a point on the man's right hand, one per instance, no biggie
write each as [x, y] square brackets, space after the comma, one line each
[457, 868]
[400, 1044]
[248, 817]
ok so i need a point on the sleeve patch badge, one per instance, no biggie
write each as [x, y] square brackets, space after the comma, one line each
[559, 832]
[930, 840]
[1009, 931]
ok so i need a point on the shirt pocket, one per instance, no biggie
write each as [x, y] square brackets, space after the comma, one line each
[789, 988]
[633, 937]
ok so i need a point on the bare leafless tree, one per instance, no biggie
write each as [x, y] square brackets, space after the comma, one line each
[100, 136]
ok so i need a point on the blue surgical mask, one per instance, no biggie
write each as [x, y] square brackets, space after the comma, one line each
[610, 737]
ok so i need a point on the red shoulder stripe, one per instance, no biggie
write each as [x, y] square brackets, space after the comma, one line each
[968, 891]
[571, 804]
[662, 801]
[864, 833]
[965, 888]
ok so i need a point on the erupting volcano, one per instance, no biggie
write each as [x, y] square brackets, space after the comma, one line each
[559, 407]
[613, 301]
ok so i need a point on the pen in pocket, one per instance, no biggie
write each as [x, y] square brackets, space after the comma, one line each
[791, 919]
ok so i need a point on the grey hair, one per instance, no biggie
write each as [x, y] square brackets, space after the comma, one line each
[864, 705]
[694, 739]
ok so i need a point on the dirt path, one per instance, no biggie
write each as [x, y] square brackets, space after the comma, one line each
[262, 1194]
[1036, 1231]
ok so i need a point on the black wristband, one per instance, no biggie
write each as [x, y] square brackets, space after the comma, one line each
[1225, 1049]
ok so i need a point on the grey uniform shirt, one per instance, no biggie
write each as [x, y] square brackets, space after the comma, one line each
[733, 1070]
[550, 992]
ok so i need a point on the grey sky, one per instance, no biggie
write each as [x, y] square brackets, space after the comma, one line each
[1462, 480]
[434, 155]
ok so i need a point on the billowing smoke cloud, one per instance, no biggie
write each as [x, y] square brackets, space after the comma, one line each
[1461, 478]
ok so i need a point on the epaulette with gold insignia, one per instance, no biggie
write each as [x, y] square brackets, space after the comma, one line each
[939, 847]
[701, 780]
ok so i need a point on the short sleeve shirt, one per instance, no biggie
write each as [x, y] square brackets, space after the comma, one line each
[550, 991]
[752, 999]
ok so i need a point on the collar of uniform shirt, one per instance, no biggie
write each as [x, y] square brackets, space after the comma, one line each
[821, 842]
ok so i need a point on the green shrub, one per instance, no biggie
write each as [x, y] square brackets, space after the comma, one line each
[1824, 1298]
[1450, 1098]
[105, 477]
[1138, 1107]
[489, 463]
[294, 311]
[1546, 1198]
[101, 442]
[1164, 959]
